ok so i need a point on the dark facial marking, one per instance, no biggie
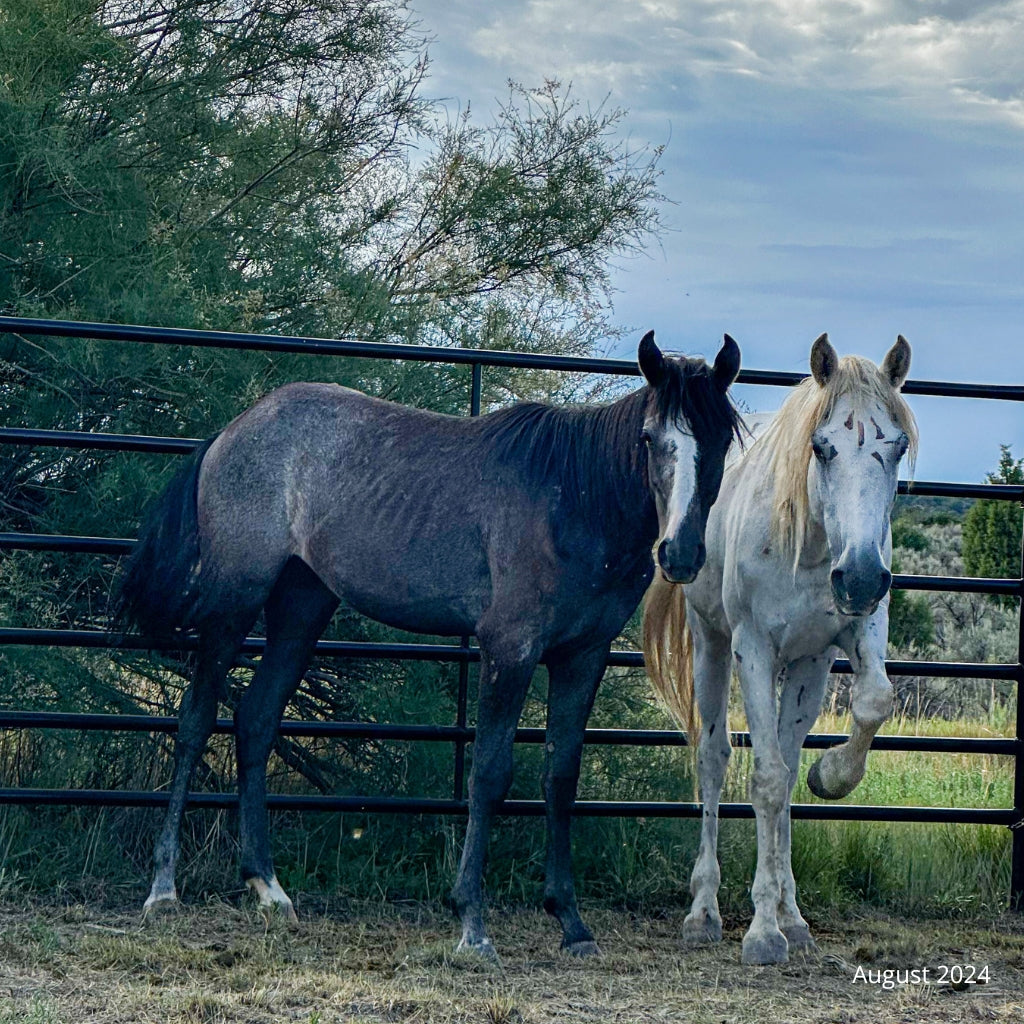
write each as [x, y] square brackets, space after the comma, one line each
[738, 657]
[860, 432]
[800, 696]
[875, 455]
[878, 430]
[849, 422]
[798, 721]
[711, 730]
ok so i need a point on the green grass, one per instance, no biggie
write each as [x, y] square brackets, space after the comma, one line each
[643, 864]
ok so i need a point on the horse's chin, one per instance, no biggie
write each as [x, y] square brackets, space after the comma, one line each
[854, 612]
[677, 581]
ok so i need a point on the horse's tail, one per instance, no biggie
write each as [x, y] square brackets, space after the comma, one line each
[668, 653]
[159, 586]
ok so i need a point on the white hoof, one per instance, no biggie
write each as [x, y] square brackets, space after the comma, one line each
[273, 898]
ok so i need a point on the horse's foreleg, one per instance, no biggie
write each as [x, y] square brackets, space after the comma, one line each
[764, 942]
[196, 719]
[841, 768]
[802, 692]
[712, 670]
[572, 686]
[297, 612]
[502, 690]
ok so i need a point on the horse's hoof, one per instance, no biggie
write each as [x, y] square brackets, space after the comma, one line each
[800, 939]
[816, 786]
[702, 929]
[274, 901]
[482, 948]
[582, 948]
[160, 905]
[766, 948]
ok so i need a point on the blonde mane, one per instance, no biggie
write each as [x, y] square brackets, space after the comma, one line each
[787, 439]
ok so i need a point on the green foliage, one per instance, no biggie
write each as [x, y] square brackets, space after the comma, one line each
[911, 624]
[907, 534]
[992, 529]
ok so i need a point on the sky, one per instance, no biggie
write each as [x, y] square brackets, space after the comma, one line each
[849, 166]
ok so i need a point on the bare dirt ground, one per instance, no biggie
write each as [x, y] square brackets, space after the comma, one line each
[220, 962]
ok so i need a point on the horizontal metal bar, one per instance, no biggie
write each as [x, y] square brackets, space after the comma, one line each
[123, 545]
[529, 808]
[452, 733]
[88, 440]
[102, 640]
[64, 543]
[433, 353]
[940, 489]
[957, 584]
[85, 439]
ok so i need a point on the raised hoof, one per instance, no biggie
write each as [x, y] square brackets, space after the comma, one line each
[769, 948]
[702, 929]
[800, 939]
[484, 949]
[582, 948]
[818, 787]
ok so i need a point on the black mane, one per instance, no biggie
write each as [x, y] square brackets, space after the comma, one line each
[586, 451]
[595, 453]
[689, 388]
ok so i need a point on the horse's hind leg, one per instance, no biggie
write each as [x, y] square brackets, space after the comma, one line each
[504, 679]
[297, 612]
[572, 686]
[196, 719]
[802, 691]
[712, 669]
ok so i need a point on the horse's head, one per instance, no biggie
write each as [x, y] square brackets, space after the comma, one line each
[863, 433]
[688, 426]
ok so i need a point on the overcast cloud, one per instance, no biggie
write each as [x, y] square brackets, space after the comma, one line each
[852, 166]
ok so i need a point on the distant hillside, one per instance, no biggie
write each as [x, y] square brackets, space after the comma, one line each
[919, 509]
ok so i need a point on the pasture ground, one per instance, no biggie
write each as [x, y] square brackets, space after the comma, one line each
[223, 962]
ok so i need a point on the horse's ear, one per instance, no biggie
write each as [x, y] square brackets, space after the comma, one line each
[727, 363]
[896, 365]
[824, 361]
[652, 362]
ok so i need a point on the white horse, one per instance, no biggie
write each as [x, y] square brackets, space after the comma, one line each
[798, 554]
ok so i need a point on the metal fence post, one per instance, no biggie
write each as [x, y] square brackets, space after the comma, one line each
[462, 700]
[1017, 829]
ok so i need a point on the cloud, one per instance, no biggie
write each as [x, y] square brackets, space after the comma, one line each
[946, 57]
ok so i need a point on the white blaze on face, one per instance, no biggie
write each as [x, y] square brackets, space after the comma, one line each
[684, 479]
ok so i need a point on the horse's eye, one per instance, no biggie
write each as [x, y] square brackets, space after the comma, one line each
[647, 439]
[823, 451]
[900, 445]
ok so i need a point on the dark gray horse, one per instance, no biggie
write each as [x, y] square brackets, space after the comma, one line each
[531, 527]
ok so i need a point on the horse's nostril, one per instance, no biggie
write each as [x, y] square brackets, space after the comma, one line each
[838, 578]
[662, 553]
[884, 583]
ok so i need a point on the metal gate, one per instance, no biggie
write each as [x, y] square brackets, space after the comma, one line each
[460, 733]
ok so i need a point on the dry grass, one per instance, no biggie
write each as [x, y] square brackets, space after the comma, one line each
[223, 963]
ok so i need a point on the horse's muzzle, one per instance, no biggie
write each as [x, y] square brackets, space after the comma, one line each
[680, 566]
[858, 592]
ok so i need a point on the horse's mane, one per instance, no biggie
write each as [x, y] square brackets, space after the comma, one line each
[590, 451]
[786, 442]
[572, 447]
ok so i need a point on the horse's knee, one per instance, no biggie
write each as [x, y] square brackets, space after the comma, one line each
[768, 785]
[872, 699]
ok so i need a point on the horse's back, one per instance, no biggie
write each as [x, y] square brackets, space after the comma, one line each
[382, 501]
